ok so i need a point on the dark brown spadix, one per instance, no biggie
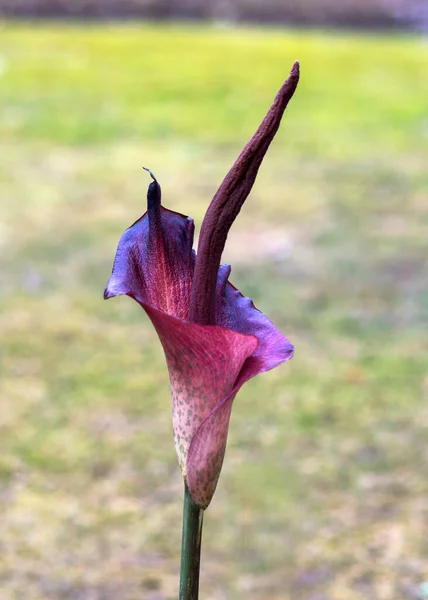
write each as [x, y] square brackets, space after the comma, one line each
[227, 203]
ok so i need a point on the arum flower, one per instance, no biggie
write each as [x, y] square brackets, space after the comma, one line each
[214, 338]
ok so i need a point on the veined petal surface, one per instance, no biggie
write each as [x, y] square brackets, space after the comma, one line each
[156, 267]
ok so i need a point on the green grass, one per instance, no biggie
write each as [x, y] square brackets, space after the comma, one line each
[323, 492]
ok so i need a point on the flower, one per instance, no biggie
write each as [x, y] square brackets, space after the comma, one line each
[213, 337]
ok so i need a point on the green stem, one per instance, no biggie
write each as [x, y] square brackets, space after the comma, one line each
[190, 548]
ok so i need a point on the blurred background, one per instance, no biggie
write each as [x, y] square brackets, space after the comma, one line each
[324, 491]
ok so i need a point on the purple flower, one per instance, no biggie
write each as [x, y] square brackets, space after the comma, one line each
[214, 338]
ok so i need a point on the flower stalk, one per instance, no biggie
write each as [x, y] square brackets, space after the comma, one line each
[190, 548]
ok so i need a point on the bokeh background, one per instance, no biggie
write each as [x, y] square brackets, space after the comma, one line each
[324, 490]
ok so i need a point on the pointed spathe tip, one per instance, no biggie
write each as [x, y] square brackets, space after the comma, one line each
[150, 173]
[153, 192]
